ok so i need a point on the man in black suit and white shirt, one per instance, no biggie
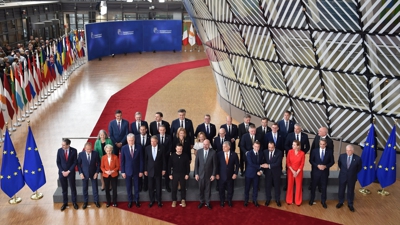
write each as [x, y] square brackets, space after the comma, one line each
[143, 139]
[207, 127]
[158, 121]
[300, 136]
[220, 139]
[231, 132]
[261, 131]
[274, 136]
[272, 171]
[166, 141]
[135, 126]
[118, 129]
[184, 122]
[247, 141]
[243, 128]
[286, 125]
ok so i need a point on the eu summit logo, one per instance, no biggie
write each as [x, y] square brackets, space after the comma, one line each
[94, 36]
[125, 32]
[157, 31]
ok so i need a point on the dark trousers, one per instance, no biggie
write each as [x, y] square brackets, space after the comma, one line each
[322, 181]
[248, 183]
[113, 181]
[166, 176]
[242, 160]
[128, 182]
[343, 184]
[274, 179]
[205, 190]
[178, 178]
[155, 185]
[64, 186]
[226, 185]
[95, 189]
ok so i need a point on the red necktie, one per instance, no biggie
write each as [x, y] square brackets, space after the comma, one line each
[66, 155]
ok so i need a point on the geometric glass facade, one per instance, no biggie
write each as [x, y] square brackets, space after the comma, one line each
[331, 63]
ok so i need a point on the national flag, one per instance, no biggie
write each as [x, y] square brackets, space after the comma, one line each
[19, 95]
[8, 99]
[12, 178]
[192, 38]
[3, 107]
[185, 39]
[27, 86]
[36, 73]
[20, 73]
[367, 175]
[33, 166]
[386, 171]
[198, 40]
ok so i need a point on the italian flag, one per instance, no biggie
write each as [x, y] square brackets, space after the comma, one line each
[185, 39]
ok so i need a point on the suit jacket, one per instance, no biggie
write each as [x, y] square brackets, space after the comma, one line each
[208, 168]
[224, 171]
[252, 165]
[350, 174]
[167, 143]
[132, 166]
[113, 165]
[242, 131]
[315, 160]
[282, 128]
[88, 168]
[329, 143]
[154, 130]
[216, 144]
[233, 132]
[188, 127]
[202, 128]
[116, 135]
[63, 164]
[155, 167]
[134, 129]
[246, 144]
[275, 164]
[279, 140]
[304, 142]
[260, 136]
[138, 141]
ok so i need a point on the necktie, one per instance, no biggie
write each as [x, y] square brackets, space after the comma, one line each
[270, 156]
[264, 130]
[275, 138]
[181, 123]
[154, 154]
[226, 158]
[162, 140]
[205, 156]
[247, 128]
[66, 154]
[207, 130]
[143, 141]
[158, 125]
[297, 137]
[222, 141]
[131, 152]
[252, 139]
[119, 125]
[322, 154]
[287, 126]
[348, 162]
[257, 158]
[138, 126]
[229, 129]
[88, 158]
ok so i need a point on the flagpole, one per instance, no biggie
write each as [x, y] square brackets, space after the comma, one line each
[364, 190]
[15, 200]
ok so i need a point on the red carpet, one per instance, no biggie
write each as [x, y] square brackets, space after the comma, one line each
[135, 96]
[238, 214]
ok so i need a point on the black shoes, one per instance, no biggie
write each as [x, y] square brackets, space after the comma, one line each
[97, 204]
[256, 204]
[137, 204]
[130, 205]
[159, 204]
[222, 204]
[351, 208]
[339, 205]
[108, 205]
[267, 203]
[84, 205]
[324, 205]
[63, 207]
[151, 204]
[115, 205]
[209, 206]
[246, 204]
[75, 205]
[230, 204]
[200, 205]
[168, 189]
[278, 203]
[311, 202]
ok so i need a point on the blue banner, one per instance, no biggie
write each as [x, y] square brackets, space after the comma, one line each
[125, 37]
[162, 35]
[97, 40]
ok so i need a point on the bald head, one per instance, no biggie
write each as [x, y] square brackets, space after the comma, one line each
[322, 132]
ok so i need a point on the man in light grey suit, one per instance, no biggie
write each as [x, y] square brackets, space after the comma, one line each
[205, 170]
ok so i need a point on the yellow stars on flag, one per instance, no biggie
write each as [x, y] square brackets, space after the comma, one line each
[380, 166]
[39, 170]
[392, 167]
[19, 167]
[387, 169]
[29, 148]
[26, 171]
[389, 145]
[1, 177]
[371, 167]
[33, 172]
[15, 173]
[372, 146]
[366, 144]
[8, 177]
[12, 152]
[365, 168]
[4, 152]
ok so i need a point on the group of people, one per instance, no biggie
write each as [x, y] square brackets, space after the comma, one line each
[145, 153]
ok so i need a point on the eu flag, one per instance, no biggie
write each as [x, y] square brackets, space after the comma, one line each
[386, 171]
[12, 179]
[33, 166]
[367, 175]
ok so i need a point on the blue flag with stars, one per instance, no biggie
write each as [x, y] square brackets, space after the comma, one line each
[33, 166]
[367, 175]
[12, 179]
[386, 171]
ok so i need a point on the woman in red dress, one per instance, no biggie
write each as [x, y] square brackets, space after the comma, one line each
[295, 162]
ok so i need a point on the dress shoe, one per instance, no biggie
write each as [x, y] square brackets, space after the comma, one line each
[267, 203]
[130, 205]
[168, 189]
[137, 204]
[242, 174]
[102, 189]
[115, 205]
[351, 208]
[222, 204]
[339, 205]
[84, 205]
[278, 203]
[209, 206]
[183, 203]
[75, 205]
[63, 207]
[159, 204]
[151, 204]
[200, 205]
[324, 205]
[256, 204]
[311, 202]
[108, 205]
[246, 204]
[230, 204]
[97, 204]
[285, 188]
[173, 204]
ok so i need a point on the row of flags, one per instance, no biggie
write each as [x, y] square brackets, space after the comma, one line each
[190, 37]
[36, 71]
[385, 171]
[13, 177]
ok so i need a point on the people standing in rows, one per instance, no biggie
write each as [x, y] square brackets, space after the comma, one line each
[118, 129]
[295, 163]
[286, 125]
[183, 139]
[261, 131]
[220, 140]
[207, 128]
[157, 123]
[198, 144]
[99, 146]
[110, 167]
[243, 128]
[143, 139]
[247, 142]
[274, 136]
[178, 170]
[183, 122]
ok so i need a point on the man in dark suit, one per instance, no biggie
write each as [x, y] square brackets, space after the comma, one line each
[231, 132]
[220, 139]
[247, 141]
[205, 169]
[261, 131]
[89, 168]
[286, 125]
[158, 121]
[182, 121]
[132, 167]
[135, 126]
[253, 172]
[274, 136]
[118, 129]
[228, 168]
[272, 171]
[66, 162]
[154, 168]
[207, 127]
[166, 141]
[143, 139]
[321, 159]
[243, 128]
[349, 164]
[300, 136]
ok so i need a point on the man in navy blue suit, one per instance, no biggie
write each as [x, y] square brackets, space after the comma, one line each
[231, 132]
[227, 171]
[286, 125]
[243, 129]
[274, 136]
[300, 136]
[118, 129]
[321, 159]
[254, 160]
[89, 168]
[135, 126]
[66, 162]
[166, 141]
[143, 139]
[220, 139]
[272, 171]
[184, 122]
[158, 121]
[207, 127]
[132, 167]
[247, 141]
[349, 164]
